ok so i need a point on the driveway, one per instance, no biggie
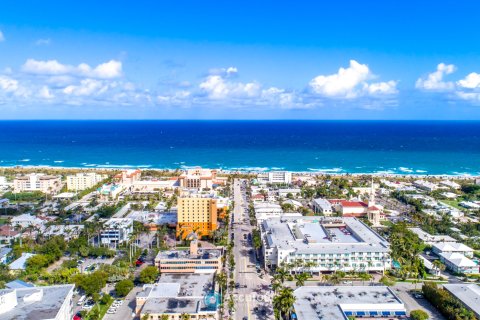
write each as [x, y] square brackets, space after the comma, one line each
[401, 290]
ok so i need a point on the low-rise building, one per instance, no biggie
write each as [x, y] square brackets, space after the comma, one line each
[467, 294]
[179, 294]
[431, 239]
[110, 190]
[345, 302]
[116, 231]
[352, 208]
[450, 184]
[27, 220]
[452, 247]
[4, 255]
[458, 263]
[195, 260]
[322, 206]
[42, 303]
[127, 177]
[37, 182]
[20, 263]
[327, 243]
[266, 210]
[284, 193]
[425, 185]
[67, 231]
[84, 180]
[275, 177]
[8, 233]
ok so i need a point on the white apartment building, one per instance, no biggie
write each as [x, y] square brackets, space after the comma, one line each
[42, 303]
[116, 230]
[281, 177]
[266, 210]
[450, 184]
[458, 263]
[452, 247]
[329, 243]
[37, 182]
[82, 181]
[425, 185]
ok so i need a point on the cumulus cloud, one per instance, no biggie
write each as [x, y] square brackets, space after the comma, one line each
[351, 82]
[434, 81]
[8, 84]
[107, 70]
[45, 93]
[471, 81]
[217, 87]
[2, 37]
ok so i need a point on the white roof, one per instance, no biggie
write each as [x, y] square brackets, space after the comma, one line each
[19, 264]
[458, 259]
[452, 246]
[469, 294]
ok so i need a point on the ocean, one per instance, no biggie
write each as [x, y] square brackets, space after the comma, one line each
[401, 147]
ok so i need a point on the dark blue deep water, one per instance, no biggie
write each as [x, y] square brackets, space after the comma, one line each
[421, 147]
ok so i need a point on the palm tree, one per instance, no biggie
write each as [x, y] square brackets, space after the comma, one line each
[301, 278]
[283, 302]
[185, 316]
[281, 275]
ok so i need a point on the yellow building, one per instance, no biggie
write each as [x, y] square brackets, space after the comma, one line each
[197, 215]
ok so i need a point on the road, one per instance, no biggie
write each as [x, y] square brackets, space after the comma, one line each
[253, 297]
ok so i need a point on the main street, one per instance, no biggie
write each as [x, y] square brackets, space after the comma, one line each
[252, 293]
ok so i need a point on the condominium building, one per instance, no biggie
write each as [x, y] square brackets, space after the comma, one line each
[196, 214]
[37, 182]
[452, 247]
[197, 178]
[195, 260]
[128, 177]
[48, 302]
[116, 230]
[82, 181]
[326, 243]
[276, 177]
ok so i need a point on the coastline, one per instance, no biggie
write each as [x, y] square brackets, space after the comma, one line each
[326, 172]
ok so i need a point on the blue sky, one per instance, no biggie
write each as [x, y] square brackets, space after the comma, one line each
[239, 60]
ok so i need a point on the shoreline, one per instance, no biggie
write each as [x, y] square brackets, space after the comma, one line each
[326, 172]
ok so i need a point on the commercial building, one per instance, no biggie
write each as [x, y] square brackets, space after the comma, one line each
[127, 177]
[116, 230]
[197, 178]
[343, 302]
[196, 214]
[468, 294]
[452, 247]
[37, 182]
[322, 206]
[276, 177]
[194, 260]
[84, 180]
[176, 295]
[42, 303]
[327, 243]
[459, 263]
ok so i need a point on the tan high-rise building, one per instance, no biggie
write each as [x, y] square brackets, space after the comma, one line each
[197, 215]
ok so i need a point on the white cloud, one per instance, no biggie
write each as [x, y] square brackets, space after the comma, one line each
[469, 96]
[472, 81]
[88, 87]
[2, 37]
[217, 87]
[381, 88]
[434, 80]
[351, 82]
[43, 42]
[45, 93]
[8, 84]
[107, 70]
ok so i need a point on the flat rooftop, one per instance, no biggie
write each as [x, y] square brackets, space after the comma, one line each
[334, 302]
[322, 235]
[203, 254]
[469, 294]
[47, 308]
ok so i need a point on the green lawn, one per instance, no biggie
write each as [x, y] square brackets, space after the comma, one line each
[102, 310]
[453, 203]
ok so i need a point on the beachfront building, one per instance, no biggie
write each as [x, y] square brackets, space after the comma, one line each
[116, 231]
[128, 177]
[458, 263]
[196, 215]
[450, 184]
[84, 180]
[37, 182]
[275, 177]
[452, 247]
[467, 294]
[153, 186]
[345, 302]
[322, 206]
[326, 243]
[46, 302]
[195, 260]
[197, 178]
[178, 296]
[425, 185]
